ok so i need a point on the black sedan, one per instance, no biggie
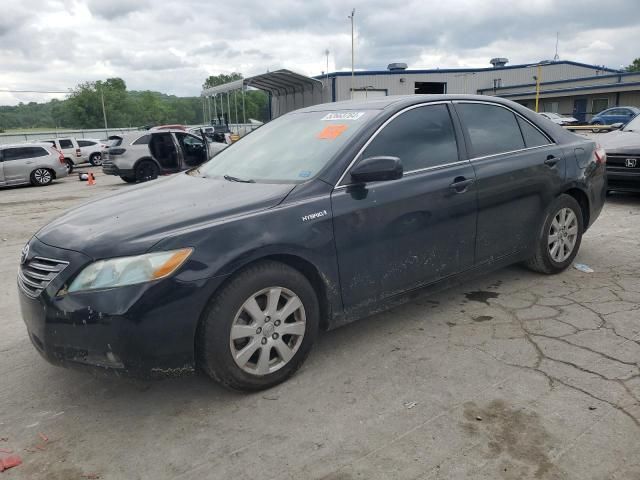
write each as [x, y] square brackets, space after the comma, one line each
[320, 217]
[623, 157]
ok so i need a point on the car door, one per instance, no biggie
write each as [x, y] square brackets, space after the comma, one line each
[17, 165]
[396, 235]
[519, 171]
[193, 150]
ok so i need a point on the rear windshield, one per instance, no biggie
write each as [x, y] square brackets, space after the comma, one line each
[292, 148]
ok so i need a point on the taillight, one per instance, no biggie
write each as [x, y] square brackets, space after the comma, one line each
[61, 158]
[78, 152]
[600, 154]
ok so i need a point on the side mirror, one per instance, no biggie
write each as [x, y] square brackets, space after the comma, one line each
[377, 169]
[617, 126]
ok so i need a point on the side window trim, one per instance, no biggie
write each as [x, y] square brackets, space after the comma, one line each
[447, 103]
[480, 157]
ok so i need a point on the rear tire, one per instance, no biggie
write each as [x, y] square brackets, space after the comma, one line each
[560, 237]
[95, 159]
[273, 312]
[129, 179]
[41, 177]
[69, 165]
[146, 170]
[596, 129]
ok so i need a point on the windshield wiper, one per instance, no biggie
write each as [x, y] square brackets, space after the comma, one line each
[236, 179]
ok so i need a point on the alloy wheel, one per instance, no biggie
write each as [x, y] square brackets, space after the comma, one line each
[42, 176]
[267, 330]
[563, 234]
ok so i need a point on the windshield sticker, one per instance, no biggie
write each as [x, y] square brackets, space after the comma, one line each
[305, 174]
[342, 116]
[331, 132]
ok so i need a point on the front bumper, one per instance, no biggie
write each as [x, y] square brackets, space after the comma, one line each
[624, 180]
[139, 330]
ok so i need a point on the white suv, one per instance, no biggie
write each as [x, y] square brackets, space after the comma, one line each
[91, 149]
[69, 148]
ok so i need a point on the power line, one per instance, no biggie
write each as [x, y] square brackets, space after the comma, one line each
[34, 91]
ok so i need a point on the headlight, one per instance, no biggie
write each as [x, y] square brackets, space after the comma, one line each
[118, 272]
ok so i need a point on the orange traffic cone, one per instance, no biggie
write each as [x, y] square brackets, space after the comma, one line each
[91, 180]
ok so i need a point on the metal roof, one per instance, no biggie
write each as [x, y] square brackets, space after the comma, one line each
[278, 82]
[467, 69]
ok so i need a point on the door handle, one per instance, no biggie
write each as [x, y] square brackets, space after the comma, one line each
[551, 161]
[460, 184]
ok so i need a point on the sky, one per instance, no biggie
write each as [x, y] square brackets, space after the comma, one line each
[172, 47]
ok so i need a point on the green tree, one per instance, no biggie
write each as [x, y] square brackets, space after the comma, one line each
[634, 67]
[221, 79]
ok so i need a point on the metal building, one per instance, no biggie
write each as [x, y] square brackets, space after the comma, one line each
[566, 87]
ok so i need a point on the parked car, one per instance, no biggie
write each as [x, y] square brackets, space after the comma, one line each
[142, 156]
[91, 150]
[36, 163]
[169, 127]
[614, 115]
[69, 148]
[318, 218]
[623, 157]
[559, 119]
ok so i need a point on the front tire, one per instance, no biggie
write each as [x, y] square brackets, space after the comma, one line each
[560, 238]
[258, 330]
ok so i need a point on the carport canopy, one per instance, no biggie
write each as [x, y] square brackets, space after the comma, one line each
[287, 90]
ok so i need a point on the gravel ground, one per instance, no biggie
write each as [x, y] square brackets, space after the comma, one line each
[513, 376]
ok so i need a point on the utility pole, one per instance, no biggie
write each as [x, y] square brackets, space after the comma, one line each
[538, 77]
[104, 112]
[351, 17]
[326, 52]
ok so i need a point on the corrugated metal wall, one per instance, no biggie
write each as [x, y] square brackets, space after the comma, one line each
[403, 83]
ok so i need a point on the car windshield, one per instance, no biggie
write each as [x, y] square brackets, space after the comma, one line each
[633, 125]
[290, 149]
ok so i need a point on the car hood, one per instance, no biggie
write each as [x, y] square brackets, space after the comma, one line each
[131, 222]
[620, 141]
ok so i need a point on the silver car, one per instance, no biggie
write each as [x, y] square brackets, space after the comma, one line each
[35, 163]
[143, 156]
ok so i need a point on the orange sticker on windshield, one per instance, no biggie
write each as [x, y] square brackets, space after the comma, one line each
[331, 132]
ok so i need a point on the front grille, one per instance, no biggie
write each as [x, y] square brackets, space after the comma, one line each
[36, 274]
[620, 161]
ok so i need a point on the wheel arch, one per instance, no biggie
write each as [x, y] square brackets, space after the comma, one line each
[144, 159]
[583, 200]
[319, 280]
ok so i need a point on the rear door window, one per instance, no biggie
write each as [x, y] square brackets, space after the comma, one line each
[21, 153]
[422, 137]
[491, 129]
[86, 143]
[532, 136]
[66, 144]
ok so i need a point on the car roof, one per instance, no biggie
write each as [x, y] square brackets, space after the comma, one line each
[30, 144]
[399, 101]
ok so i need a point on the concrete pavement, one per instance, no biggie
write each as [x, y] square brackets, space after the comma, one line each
[513, 376]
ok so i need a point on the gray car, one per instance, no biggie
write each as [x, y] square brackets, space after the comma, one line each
[143, 156]
[35, 163]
